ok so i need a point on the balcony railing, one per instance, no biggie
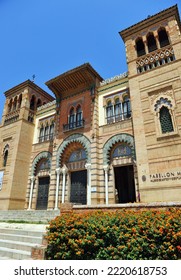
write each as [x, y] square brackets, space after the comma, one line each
[12, 117]
[117, 118]
[155, 59]
[44, 138]
[73, 125]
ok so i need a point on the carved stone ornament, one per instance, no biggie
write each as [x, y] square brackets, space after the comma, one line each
[166, 94]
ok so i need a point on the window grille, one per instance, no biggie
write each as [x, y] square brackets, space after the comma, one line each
[79, 117]
[165, 120]
[5, 158]
[119, 111]
[46, 133]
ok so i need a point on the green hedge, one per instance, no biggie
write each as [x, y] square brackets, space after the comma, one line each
[126, 235]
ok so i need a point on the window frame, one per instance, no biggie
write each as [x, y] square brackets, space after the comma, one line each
[169, 103]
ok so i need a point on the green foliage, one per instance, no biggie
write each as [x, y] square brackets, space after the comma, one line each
[126, 235]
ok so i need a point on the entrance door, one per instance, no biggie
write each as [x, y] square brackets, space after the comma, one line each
[43, 191]
[124, 183]
[78, 192]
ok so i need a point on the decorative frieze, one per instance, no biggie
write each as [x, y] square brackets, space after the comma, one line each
[113, 79]
[155, 59]
[47, 105]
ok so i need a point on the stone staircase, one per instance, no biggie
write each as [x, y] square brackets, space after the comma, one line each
[41, 216]
[16, 238]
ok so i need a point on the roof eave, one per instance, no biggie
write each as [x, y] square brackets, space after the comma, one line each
[172, 11]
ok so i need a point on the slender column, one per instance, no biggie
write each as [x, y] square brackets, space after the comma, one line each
[31, 191]
[122, 112]
[146, 46]
[88, 167]
[58, 170]
[64, 171]
[106, 169]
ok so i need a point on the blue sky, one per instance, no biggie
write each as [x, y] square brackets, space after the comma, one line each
[47, 38]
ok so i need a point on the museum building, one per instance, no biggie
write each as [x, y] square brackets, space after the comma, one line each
[99, 142]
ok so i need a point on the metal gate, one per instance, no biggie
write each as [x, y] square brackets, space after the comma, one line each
[43, 191]
[78, 192]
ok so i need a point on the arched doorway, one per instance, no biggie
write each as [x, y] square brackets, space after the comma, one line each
[123, 173]
[42, 173]
[78, 174]
[119, 155]
[40, 181]
[75, 159]
[74, 153]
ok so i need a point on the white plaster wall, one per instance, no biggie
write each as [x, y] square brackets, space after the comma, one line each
[102, 113]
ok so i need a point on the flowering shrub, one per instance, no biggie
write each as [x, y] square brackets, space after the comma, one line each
[127, 235]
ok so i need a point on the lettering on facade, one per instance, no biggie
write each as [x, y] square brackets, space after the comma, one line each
[167, 176]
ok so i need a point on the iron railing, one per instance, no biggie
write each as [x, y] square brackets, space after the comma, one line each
[73, 125]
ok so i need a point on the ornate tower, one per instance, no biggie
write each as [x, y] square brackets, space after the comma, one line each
[16, 138]
[154, 64]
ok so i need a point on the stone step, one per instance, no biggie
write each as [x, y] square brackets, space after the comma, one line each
[14, 254]
[24, 215]
[18, 245]
[16, 240]
[21, 232]
[23, 238]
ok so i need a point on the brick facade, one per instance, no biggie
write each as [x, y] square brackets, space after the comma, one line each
[99, 142]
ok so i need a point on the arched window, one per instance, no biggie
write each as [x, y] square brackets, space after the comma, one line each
[121, 151]
[19, 101]
[126, 107]
[15, 104]
[38, 103]
[109, 112]
[79, 116]
[43, 165]
[10, 105]
[5, 158]
[47, 132]
[77, 155]
[32, 103]
[118, 110]
[165, 120]
[140, 47]
[163, 37]
[5, 155]
[41, 135]
[71, 118]
[52, 130]
[151, 42]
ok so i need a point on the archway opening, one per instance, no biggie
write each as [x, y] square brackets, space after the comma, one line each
[42, 173]
[123, 170]
[43, 192]
[124, 184]
[75, 159]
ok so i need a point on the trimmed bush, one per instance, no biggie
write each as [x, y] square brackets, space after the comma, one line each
[126, 235]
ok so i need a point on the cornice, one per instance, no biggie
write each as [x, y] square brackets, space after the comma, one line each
[27, 84]
[149, 21]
